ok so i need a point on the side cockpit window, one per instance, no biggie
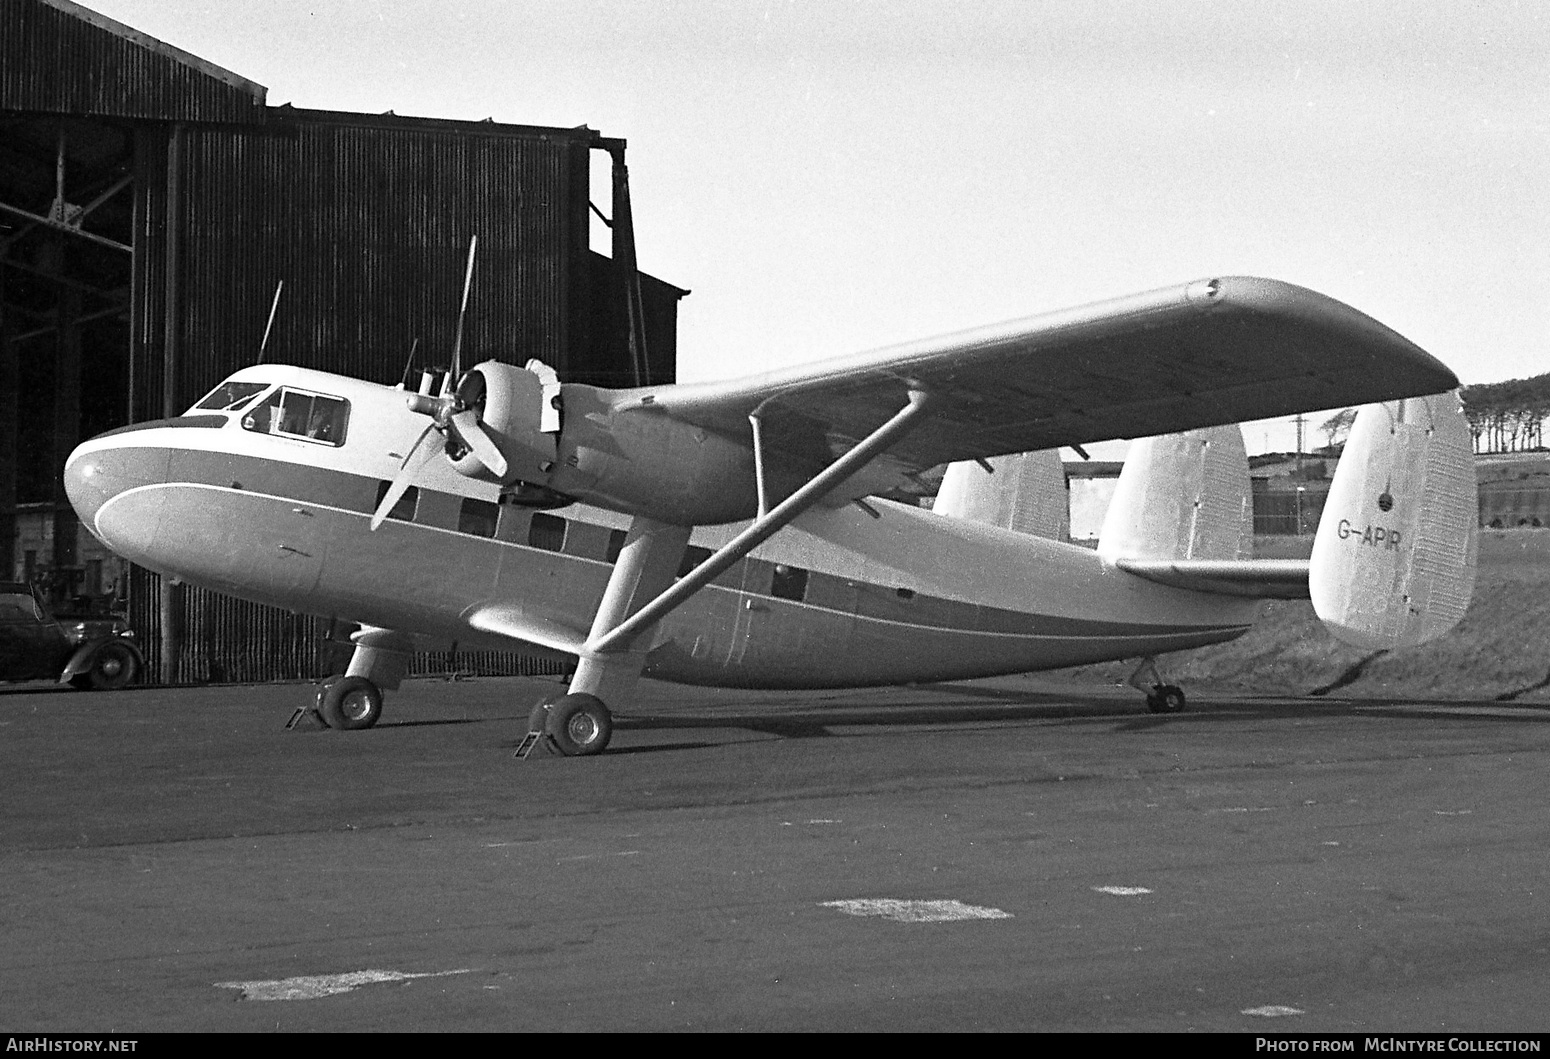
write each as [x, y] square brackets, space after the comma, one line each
[231, 396]
[301, 414]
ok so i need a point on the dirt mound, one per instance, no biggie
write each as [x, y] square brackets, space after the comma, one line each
[1501, 650]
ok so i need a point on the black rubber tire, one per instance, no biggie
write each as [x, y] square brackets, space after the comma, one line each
[350, 704]
[317, 702]
[113, 666]
[579, 725]
[1166, 698]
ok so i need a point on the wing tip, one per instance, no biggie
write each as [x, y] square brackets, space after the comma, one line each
[1322, 313]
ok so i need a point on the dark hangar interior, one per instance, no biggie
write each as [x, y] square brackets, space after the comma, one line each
[150, 205]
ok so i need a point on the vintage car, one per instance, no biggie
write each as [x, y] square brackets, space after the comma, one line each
[90, 653]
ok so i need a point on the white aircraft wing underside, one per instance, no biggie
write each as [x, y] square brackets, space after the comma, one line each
[517, 623]
[1201, 354]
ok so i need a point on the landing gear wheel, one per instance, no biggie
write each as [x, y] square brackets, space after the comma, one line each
[317, 703]
[350, 703]
[1166, 698]
[112, 667]
[538, 719]
[579, 725]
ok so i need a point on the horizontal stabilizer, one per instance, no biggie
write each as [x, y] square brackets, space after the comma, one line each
[1254, 578]
[1025, 492]
[1394, 558]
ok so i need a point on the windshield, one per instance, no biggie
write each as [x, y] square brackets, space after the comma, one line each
[230, 396]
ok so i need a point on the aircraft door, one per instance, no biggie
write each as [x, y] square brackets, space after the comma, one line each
[749, 607]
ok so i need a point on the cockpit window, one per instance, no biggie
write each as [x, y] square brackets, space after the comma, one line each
[231, 396]
[300, 414]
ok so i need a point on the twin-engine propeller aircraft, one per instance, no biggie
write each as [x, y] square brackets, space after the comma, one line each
[732, 533]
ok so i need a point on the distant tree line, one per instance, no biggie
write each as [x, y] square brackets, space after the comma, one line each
[1508, 416]
[1503, 416]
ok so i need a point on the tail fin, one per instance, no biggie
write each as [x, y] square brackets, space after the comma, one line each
[1024, 492]
[1182, 496]
[1394, 558]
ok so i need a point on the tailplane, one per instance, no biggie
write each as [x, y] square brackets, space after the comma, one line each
[1394, 558]
[1393, 561]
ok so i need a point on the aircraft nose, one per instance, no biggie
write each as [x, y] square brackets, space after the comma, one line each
[103, 469]
[85, 484]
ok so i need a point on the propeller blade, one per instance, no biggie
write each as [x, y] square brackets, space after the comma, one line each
[457, 343]
[406, 475]
[467, 424]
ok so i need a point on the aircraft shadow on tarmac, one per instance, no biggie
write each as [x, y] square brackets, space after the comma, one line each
[804, 721]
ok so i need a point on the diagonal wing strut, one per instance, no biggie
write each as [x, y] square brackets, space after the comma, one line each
[763, 527]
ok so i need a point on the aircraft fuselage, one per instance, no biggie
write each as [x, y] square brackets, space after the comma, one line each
[258, 509]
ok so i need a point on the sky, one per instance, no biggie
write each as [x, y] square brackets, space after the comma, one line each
[831, 176]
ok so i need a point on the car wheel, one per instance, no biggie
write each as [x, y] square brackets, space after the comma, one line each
[113, 666]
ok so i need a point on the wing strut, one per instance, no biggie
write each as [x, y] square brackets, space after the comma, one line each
[765, 526]
[756, 424]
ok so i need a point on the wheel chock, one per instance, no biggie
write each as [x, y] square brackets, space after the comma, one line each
[312, 709]
[525, 747]
[309, 714]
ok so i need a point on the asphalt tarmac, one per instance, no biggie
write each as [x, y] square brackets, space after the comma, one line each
[1004, 855]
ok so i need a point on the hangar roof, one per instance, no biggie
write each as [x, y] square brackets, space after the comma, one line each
[59, 57]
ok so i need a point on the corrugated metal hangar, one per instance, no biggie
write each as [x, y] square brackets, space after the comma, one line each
[151, 204]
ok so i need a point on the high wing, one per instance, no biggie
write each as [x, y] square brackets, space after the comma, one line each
[1201, 354]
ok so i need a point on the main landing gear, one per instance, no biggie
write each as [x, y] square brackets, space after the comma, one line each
[1161, 697]
[349, 703]
[575, 725]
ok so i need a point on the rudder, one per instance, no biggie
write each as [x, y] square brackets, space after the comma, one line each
[1182, 496]
[1394, 556]
[1025, 492]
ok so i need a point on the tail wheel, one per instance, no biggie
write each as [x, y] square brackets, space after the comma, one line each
[579, 724]
[113, 666]
[351, 703]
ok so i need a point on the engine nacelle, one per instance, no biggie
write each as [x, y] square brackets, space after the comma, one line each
[516, 407]
[619, 453]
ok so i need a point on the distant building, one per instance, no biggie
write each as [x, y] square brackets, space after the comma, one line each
[1514, 490]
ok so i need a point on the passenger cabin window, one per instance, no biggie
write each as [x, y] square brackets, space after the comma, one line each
[301, 414]
[231, 396]
[546, 532]
[694, 555]
[789, 582]
[405, 508]
[477, 517]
